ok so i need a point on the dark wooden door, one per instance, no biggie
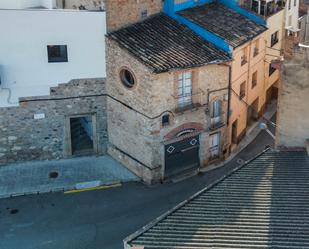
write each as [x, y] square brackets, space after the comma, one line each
[182, 155]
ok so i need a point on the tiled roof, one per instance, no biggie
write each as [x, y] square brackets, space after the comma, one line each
[224, 22]
[264, 204]
[163, 44]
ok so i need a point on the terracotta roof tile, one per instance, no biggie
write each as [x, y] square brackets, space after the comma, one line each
[234, 28]
[163, 44]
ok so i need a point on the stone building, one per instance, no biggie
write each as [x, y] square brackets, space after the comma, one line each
[293, 112]
[168, 93]
[70, 121]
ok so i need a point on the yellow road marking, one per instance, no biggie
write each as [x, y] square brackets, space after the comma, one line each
[115, 185]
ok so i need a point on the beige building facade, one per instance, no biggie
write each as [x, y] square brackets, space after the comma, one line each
[274, 13]
[248, 86]
[275, 43]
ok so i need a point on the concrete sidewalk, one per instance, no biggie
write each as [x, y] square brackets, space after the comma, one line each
[61, 175]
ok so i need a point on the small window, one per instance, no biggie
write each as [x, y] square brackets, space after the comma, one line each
[274, 38]
[166, 120]
[256, 48]
[216, 109]
[244, 56]
[254, 79]
[127, 78]
[295, 3]
[271, 69]
[57, 53]
[289, 4]
[216, 114]
[185, 89]
[242, 92]
[144, 14]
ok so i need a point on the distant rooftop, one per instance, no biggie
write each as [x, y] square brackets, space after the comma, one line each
[264, 8]
[234, 28]
[263, 204]
[162, 44]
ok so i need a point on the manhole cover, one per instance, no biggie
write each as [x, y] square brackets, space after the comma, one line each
[14, 211]
[53, 174]
[240, 161]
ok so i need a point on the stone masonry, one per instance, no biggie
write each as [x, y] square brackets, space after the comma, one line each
[136, 136]
[125, 12]
[82, 4]
[25, 137]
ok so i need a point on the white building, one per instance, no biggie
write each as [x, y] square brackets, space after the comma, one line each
[291, 16]
[53, 4]
[24, 4]
[40, 48]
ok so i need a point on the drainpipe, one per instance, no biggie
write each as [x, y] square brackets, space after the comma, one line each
[229, 96]
[229, 88]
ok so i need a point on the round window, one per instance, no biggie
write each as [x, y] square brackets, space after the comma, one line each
[127, 78]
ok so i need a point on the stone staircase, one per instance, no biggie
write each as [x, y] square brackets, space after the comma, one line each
[81, 140]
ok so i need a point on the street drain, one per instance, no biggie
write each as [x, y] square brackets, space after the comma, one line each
[53, 174]
[14, 211]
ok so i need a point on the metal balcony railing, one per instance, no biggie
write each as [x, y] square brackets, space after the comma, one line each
[216, 123]
[188, 101]
[214, 152]
[262, 7]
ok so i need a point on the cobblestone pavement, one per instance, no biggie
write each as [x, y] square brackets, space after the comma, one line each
[57, 175]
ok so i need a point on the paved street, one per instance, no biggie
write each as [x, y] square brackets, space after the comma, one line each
[99, 219]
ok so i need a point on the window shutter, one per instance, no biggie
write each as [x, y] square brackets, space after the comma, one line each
[216, 109]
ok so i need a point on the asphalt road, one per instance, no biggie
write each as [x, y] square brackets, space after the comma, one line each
[99, 219]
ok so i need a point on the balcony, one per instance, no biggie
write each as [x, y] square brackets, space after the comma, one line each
[264, 8]
[188, 102]
[214, 153]
[216, 123]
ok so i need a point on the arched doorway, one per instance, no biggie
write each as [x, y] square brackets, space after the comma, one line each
[183, 153]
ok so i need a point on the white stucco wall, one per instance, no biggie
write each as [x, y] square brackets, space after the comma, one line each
[23, 4]
[23, 49]
[292, 14]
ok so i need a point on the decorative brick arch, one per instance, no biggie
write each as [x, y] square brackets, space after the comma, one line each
[196, 127]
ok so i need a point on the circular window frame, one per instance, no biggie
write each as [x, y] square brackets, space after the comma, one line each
[123, 80]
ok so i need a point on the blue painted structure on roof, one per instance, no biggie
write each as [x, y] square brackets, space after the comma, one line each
[171, 9]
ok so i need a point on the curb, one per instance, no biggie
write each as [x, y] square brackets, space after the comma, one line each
[65, 190]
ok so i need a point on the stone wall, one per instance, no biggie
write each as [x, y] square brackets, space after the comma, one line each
[81, 4]
[136, 135]
[293, 112]
[124, 12]
[26, 137]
